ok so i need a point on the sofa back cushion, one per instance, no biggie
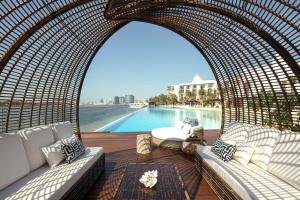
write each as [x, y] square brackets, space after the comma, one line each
[263, 139]
[62, 130]
[34, 139]
[285, 160]
[13, 160]
[237, 131]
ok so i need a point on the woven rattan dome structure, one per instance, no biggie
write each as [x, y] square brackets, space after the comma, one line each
[252, 47]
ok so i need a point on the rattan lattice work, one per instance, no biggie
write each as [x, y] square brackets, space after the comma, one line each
[252, 47]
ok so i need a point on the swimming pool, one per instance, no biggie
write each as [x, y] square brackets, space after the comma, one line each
[147, 119]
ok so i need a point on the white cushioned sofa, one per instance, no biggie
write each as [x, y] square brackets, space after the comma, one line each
[25, 174]
[273, 171]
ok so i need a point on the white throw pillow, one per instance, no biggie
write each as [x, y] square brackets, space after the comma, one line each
[179, 125]
[285, 160]
[53, 154]
[186, 129]
[264, 139]
[243, 153]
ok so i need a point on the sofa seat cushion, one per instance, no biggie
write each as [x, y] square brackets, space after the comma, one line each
[169, 133]
[13, 159]
[46, 183]
[250, 181]
[62, 130]
[285, 160]
[34, 139]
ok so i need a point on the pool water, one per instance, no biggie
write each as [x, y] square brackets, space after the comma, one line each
[147, 119]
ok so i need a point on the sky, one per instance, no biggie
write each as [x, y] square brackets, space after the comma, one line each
[142, 59]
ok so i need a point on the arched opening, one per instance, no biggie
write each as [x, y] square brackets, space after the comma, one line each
[124, 66]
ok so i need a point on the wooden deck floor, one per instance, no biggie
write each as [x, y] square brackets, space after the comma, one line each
[120, 149]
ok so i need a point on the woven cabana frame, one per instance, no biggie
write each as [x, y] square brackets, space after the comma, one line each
[252, 47]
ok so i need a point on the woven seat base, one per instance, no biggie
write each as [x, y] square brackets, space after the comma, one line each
[84, 184]
[219, 186]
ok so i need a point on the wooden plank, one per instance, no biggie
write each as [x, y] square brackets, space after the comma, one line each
[121, 150]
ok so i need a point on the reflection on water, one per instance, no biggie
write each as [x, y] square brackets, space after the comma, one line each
[91, 118]
[150, 118]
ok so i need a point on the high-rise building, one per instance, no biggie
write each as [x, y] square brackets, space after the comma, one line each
[129, 98]
[121, 100]
[116, 100]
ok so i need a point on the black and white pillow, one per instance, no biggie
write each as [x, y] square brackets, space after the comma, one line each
[228, 152]
[217, 147]
[73, 150]
[223, 150]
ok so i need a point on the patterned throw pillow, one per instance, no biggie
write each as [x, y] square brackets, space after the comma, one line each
[73, 150]
[217, 147]
[228, 152]
[223, 150]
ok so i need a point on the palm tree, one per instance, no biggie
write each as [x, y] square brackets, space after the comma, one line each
[190, 96]
[210, 96]
[172, 98]
[202, 94]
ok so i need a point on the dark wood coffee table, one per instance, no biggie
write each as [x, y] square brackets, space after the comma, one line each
[169, 184]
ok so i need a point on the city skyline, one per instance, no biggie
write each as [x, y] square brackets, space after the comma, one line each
[124, 66]
[196, 81]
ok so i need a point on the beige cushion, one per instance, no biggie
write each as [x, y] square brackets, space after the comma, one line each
[238, 131]
[45, 183]
[285, 160]
[34, 139]
[264, 139]
[53, 154]
[243, 153]
[13, 160]
[250, 181]
[62, 130]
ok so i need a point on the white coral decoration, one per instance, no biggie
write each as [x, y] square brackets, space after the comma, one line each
[149, 178]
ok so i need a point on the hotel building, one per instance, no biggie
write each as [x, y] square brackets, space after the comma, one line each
[180, 89]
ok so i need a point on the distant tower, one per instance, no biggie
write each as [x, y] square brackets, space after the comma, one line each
[116, 100]
[129, 98]
[121, 100]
